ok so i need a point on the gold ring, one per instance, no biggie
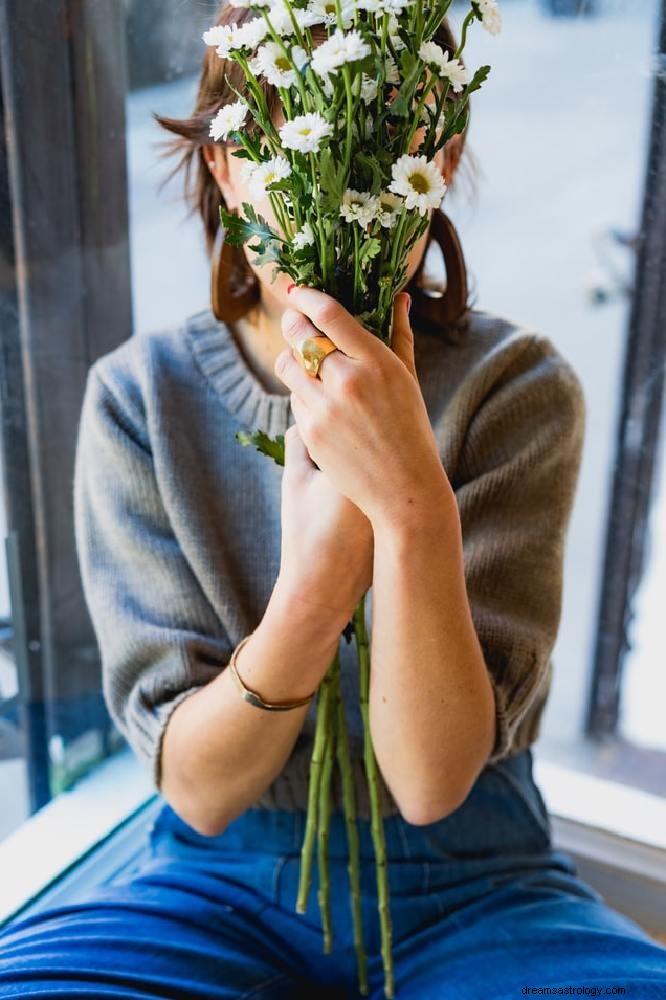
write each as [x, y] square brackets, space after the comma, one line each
[311, 351]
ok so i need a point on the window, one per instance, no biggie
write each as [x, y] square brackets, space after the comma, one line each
[566, 236]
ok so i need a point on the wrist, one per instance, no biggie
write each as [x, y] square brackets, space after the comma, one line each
[293, 609]
[418, 512]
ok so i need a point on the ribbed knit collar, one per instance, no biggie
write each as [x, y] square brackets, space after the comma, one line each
[219, 357]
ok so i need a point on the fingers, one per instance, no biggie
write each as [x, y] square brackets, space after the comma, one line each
[402, 338]
[296, 456]
[331, 318]
[289, 369]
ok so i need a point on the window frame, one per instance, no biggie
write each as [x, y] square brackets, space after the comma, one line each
[639, 424]
[65, 299]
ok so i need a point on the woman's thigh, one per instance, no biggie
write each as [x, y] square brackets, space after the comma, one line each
[167, 932]
[539, 928]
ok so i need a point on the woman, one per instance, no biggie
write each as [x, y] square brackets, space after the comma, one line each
[447, 484]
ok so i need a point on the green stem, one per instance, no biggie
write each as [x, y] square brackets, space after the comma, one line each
[356, 267]
[324, 894]
[316, 761]
[463, 32]
[299, 80]
[323, 249]
[416, 120]
[260, 98]
[377, 826]
[353, 865]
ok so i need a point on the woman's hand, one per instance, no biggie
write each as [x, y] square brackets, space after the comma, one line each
[327, 542]
[364, 420]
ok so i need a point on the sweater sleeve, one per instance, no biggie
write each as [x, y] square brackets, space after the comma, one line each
[517, 480]
[159, 638]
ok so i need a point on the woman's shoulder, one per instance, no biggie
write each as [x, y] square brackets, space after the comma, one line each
[148, 365]
[493, 351]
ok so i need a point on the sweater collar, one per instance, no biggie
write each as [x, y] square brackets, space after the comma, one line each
[219, 357]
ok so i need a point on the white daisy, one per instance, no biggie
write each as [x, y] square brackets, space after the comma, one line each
[491, 16]
[253, 32]
[271, 62]
[358, 206]
[327, 11]
[305, 132]
[437, 59]
[303, 238]
[274, 169]
[388, 208]
[342, 47]
[280, 17]
[232, 37]
[228, 119]
[355, 47]
[419, 181]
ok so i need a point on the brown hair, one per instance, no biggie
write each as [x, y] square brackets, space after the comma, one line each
[202, 191]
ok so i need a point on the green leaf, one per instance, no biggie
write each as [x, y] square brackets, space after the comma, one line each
[371, 166]
[331, 178]
[272, 447]
[266, 253]
[239, 230]
[369, 251]
[479, 77]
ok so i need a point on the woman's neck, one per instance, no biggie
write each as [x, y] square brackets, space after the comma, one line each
[259, 335]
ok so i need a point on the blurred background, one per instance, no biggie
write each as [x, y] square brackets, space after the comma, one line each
[563, 232]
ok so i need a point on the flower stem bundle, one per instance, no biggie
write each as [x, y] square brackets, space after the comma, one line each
[351, 178]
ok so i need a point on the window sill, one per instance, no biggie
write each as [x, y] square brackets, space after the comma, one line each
[61, 836]
[615, 833]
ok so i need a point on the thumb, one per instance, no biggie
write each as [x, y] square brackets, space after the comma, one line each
[296, 456]
[402, 337]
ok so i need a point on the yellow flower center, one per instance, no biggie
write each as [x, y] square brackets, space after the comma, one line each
[305, 130]
[282, 63]
[419, 183]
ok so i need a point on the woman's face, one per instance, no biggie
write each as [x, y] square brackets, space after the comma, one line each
[227, 173]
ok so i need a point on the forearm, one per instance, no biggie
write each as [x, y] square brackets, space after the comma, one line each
[431, 704]
[219, 752]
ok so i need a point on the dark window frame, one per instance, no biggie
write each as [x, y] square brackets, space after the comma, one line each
[638, 430]
[65, 299]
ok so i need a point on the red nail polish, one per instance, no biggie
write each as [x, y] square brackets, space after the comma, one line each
[289, 287]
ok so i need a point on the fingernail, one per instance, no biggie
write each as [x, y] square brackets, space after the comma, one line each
[409, 302]
[289, 287]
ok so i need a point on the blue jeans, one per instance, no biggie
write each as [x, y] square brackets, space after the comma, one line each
[482, 906]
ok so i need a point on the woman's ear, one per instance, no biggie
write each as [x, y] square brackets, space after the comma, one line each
[215, 157]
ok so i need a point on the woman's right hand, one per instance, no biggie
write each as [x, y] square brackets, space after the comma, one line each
[327, 541]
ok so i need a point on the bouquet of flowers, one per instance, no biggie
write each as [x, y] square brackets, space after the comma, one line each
[351, 197]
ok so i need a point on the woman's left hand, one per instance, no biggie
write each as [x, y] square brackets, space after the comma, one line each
[364, 420]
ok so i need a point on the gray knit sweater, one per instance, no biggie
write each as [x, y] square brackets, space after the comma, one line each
[178, 525]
